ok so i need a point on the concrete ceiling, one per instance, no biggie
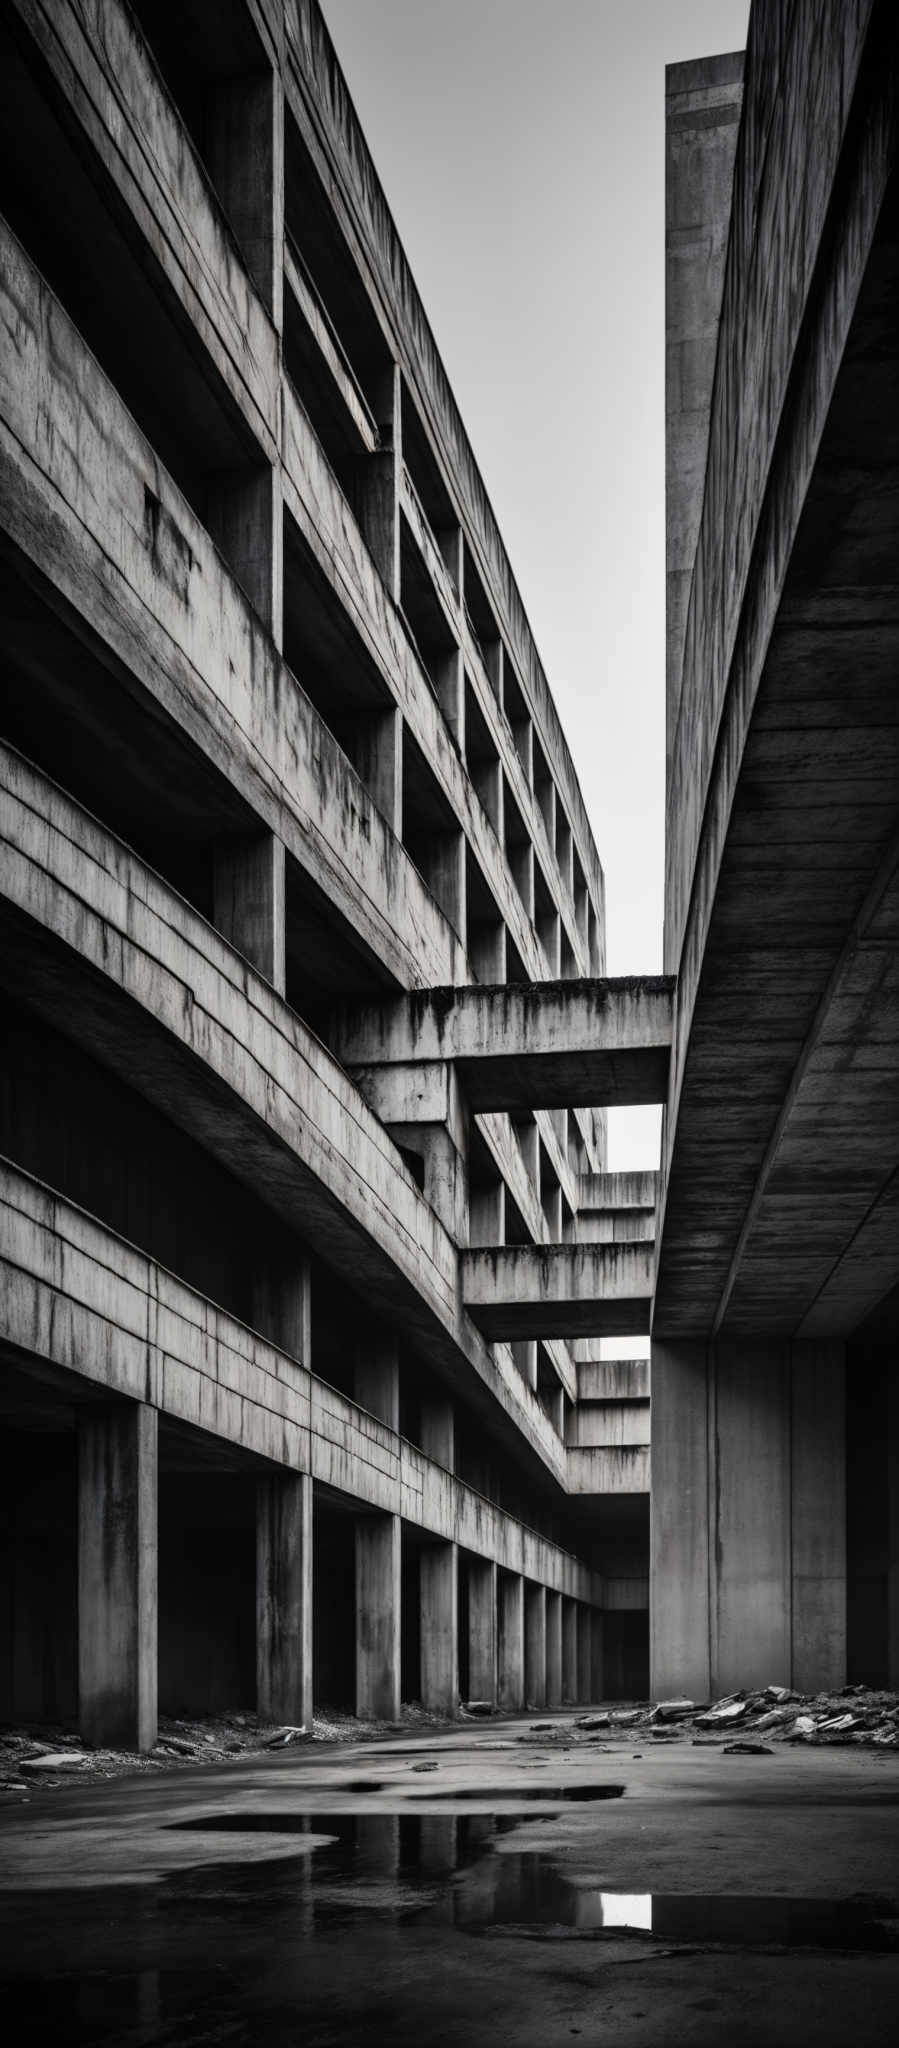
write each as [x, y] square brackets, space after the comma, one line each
[782, 1207]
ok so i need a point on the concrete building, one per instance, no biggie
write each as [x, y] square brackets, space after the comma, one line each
[775, 1524]
[308, 1243]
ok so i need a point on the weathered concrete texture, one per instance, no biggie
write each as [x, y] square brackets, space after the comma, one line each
[748, 1517]
[784, 1220]
[703, 102]
[556, 1045]
[559, 1290]
[284, 1599]
[378, 1614]
[117, 1576]
[439, 1579]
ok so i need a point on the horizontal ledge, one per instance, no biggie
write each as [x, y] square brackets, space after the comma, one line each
[517, 1291]
[543, 1045]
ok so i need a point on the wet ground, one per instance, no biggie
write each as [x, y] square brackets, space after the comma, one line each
[491, 1884]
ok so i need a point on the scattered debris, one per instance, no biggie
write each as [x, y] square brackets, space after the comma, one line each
[747, 1745]
[479, 1707]
[593, 1721]
[427, 1764]
[54, 1760]
[283, 1737]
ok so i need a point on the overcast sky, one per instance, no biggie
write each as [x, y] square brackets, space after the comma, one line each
[521, 149]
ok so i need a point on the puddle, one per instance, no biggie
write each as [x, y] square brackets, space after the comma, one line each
[517, 1793]
[446, 1869]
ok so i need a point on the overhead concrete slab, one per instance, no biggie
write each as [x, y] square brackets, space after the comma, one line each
[514, 1291]
[547, 1045]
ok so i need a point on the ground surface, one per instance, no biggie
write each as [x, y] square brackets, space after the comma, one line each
[439, 1887]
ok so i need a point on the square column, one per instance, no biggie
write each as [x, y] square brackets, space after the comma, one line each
[587, 1619]
[439, 1579]
[438, 1432]
[553, 1649]
[378, 1598]
[378, 755]
[482, 1629]
[376, 1380]
[248, 902]
[535, 1646]
[569, 1651]
[377, 494]
[510, 1645]
[117, 1576]
[284, 1598]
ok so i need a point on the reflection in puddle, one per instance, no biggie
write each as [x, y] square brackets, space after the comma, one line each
[446, 1869]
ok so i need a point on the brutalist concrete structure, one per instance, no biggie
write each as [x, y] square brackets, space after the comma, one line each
[775, 1429]
[306, 1232]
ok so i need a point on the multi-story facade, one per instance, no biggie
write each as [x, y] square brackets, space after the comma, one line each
[307, 1237]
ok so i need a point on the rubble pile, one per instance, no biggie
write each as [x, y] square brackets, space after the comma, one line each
[746, 1723]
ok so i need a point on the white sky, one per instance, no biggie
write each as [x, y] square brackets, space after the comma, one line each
[521, 149]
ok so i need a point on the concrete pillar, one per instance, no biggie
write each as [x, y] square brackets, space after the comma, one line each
[284, 1598]
[597, 1687]
[510, 1642]
[117, 1576]
[482, 1629]
[376, 1380]
[282, 1304]
[818, 1516]
[553, 1649]
[245, 517]
[244, 145]
[377, 488]
[446, 877]
[585, 1622]
[747, 1522]
[378, 1595]
[438, 1431]
[248, 901]
[439, 1580]
[487, 1213]
[535, 1645]
[378, 754]
[487, 953]
[524, 1352]
[569, 1651]
[449, 684]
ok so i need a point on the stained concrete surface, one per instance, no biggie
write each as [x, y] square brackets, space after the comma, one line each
[441, 1887]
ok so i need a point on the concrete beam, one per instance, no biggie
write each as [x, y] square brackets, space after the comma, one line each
[559, 1290]
[564, 1044]
[615, 1192]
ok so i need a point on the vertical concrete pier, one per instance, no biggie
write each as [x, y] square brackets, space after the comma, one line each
[482, 1629]
[117, 1576]
[748, 1524]
[553, 1649]
[248, 901]
[439, 1580]
[535, 1646]
[284, 1598]
[378, 1594]
[569, 1651]
[510, 1642]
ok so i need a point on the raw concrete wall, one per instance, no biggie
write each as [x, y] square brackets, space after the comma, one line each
[748, 1517]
